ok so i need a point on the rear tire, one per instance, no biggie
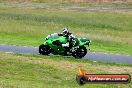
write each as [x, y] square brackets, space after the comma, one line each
[44, 49]
[80, 52]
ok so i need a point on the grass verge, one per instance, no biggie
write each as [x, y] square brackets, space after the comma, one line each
[24, 71]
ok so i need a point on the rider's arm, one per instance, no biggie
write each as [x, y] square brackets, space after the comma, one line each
[71, 36]
[60, 34]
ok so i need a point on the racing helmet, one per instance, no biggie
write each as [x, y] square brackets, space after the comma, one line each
[65, 31]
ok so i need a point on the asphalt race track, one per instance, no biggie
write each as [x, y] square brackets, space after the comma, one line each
[60, 7]
[90, 55]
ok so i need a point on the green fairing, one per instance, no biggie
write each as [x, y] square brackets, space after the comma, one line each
[86, 41]
[62, 40]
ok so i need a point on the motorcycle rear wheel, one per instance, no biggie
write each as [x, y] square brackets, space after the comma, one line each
[79, 52]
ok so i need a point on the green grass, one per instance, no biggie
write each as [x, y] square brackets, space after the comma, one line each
[91, 4]
[110, 31]
[34, 71]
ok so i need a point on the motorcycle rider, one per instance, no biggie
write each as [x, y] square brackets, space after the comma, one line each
[69, 36]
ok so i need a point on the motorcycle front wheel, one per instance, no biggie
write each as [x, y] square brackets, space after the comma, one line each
[44, 49]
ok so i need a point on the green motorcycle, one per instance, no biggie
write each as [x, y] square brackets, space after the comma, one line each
[53, 44]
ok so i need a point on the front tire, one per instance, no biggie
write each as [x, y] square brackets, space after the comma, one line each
[79, 52]
[44, 49]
